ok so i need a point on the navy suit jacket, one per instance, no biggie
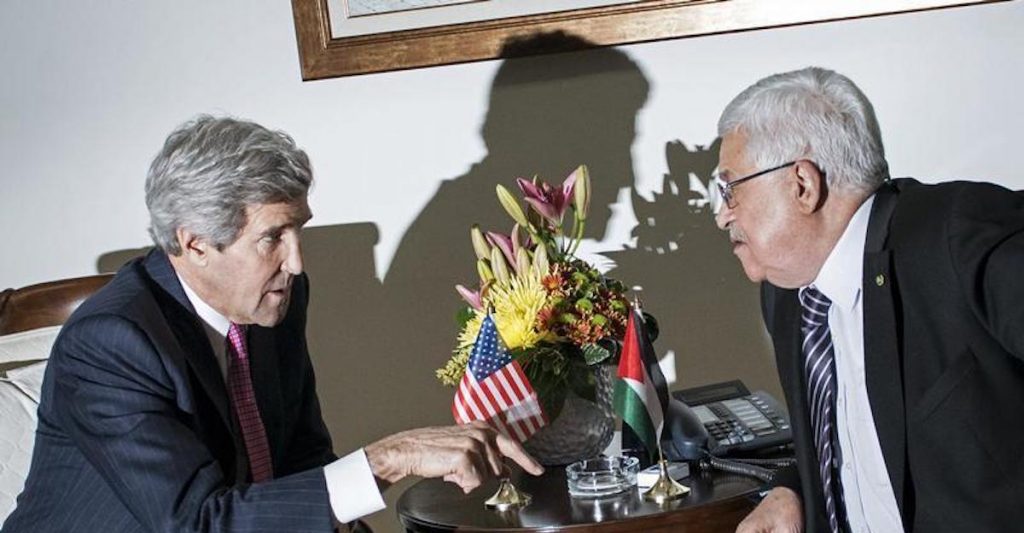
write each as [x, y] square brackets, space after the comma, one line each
[135, 429]
[943, 356]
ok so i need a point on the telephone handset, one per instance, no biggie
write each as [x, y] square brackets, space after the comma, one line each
[722, 419]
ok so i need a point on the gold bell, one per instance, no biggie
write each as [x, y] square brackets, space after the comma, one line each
[665, 489]
[507, 497]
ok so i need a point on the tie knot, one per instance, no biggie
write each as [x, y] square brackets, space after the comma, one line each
[815, 306]
[236, 339]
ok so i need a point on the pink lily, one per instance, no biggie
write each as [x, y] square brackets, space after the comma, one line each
[504, 243]
[473, 298]
[548, 201]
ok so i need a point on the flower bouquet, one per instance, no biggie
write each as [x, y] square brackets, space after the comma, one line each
[558, 316]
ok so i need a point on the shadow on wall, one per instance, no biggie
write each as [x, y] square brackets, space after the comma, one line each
[691, 281]
[547, 115]
[375, 345]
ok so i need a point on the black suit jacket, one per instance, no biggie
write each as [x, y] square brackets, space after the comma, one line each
[135, 430]
[943, 303]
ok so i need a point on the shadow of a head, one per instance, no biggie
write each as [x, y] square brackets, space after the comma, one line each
[548, 114]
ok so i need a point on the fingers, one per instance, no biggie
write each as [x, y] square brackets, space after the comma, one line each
[487, 437]
[779, 512]
[465, 455]
[469, 473]
[511, 449]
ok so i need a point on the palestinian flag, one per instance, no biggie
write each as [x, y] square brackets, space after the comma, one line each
[641, 394]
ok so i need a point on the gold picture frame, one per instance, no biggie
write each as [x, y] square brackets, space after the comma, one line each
[323, 56]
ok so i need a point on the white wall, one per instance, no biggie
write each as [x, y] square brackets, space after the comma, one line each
[89, 90]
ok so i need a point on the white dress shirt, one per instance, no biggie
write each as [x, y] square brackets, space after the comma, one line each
[867, 490]
[351, 487]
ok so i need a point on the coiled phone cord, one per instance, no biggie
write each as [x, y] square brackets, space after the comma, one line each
[758, 468]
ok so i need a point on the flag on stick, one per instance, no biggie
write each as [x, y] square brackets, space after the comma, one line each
[641, 394]
[495, 389]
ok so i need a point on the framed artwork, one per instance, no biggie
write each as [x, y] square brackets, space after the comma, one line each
[346, 37]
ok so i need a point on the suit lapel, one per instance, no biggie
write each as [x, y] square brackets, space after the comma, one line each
[882, 360]
[194, 342]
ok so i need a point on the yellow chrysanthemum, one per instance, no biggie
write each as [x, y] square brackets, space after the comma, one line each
[469, 332]
[516, 305]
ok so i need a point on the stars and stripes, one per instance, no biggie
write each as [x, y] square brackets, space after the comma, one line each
[495, 389]
[819, 365]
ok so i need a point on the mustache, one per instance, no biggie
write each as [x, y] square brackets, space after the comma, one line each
[737, 235]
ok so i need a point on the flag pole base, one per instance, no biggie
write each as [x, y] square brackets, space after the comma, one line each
[507, 497]
[665, 489]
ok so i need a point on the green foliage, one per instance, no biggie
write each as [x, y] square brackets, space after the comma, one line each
[554, 374]
[462, 316]
[595, 353]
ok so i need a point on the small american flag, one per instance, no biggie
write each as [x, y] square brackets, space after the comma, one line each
[494, 389]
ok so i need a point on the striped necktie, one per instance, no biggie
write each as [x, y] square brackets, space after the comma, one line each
[819, 364]
[243, 399]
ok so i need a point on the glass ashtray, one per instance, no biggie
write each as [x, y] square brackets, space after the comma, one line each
[601, 476]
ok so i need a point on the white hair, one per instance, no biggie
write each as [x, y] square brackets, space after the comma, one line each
[210, 169]
[813, 114]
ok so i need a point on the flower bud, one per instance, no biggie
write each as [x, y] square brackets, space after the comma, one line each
[523, 260]
[499, 266]
[511, 205]
[540, 259]
[480, 246]
[486, 274]
[581, 193]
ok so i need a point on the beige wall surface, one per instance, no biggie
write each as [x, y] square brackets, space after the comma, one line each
[406, 161]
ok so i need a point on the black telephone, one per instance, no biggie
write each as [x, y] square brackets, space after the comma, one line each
[722, 419]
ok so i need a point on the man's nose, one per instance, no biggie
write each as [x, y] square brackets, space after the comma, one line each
[293, 261]
[724, 217]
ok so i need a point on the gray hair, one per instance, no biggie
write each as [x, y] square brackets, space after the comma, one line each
[210, 169]
[815, 114]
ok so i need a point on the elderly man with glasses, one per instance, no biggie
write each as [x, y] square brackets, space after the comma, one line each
[894, 308]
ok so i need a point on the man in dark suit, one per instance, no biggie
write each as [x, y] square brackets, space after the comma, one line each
[894, 308]
[181, 396]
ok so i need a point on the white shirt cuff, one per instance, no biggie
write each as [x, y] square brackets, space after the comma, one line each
[352, 488]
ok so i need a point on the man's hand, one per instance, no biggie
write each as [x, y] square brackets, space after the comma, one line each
[779, 512]
[465, 455]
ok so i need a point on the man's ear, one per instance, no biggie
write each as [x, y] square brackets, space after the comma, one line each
[812, 190]
[194, 249]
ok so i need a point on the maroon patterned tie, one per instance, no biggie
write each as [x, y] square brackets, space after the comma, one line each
[244, 401]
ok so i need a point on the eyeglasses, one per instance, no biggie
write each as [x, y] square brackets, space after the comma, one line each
[725, 189]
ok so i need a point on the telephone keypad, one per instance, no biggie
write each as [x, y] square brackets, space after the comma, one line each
[736, 420]
[742, 420]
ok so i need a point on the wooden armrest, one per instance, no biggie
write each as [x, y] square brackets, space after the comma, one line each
[45, 304]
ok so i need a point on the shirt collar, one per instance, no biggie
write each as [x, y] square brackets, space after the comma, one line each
[840, 276]
[215, 320]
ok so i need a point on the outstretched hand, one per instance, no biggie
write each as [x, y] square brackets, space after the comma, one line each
[779, 512]
[466, 455]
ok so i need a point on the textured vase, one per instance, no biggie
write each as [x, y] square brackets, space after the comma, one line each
[582, 430]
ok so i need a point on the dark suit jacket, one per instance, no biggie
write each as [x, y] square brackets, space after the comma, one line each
[943, 303]
[135, 431]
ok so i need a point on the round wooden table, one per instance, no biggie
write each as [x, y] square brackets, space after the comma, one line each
[717, 502]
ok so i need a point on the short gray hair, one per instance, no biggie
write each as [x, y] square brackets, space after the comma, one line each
[815, 114]
[210, 169]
